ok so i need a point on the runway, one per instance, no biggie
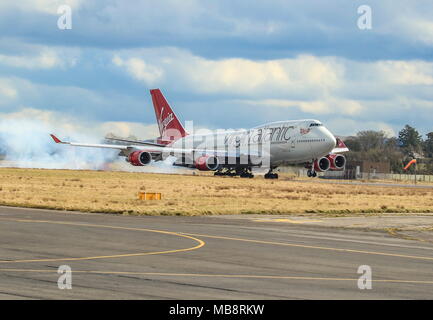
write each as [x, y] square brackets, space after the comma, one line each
[233, 257]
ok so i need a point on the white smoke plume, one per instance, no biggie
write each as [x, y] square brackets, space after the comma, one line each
[165, 166]
[25, 142]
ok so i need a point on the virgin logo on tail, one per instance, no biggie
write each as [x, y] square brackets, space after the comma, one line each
[164, 123]
[160, 116]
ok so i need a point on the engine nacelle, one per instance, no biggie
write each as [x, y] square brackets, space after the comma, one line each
[338, 161]
[207, 163]
[322, 164]
[139, 158]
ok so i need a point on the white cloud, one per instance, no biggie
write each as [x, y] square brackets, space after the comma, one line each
[246, 76]
[45, 60]
[326, 106]
[39, 57]
[325, 86]
[45, 6]
[7, 90]
[416, 28]
[234, 75]
[126, 129]
[348, 126]
[140, 70]
[313, 78]
[405, 72]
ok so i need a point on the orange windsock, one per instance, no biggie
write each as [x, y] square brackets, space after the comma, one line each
[411, 162]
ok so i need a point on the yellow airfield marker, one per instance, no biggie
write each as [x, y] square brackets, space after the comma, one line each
[149, 195]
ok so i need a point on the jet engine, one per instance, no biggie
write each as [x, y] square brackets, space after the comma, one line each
[139, 158]
[322, 164]
[338, 161]
[207, 163]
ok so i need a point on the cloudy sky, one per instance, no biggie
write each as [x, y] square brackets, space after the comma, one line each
[222, 64]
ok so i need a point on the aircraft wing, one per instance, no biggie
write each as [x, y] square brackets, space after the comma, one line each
[137, 142]
[79, 144]
[162, 150]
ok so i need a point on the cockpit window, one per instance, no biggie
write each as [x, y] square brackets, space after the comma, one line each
[315, 124]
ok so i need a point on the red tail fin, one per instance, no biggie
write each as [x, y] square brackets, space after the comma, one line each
[170, 127]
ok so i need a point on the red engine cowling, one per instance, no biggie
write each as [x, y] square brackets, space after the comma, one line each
[207, 163]
[322, 164]
[139, 158]
[338, 161]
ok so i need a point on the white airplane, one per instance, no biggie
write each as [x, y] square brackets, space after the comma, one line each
[233, 153]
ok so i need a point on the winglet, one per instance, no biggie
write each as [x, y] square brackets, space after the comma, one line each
[56, 140]
[341, 144]
[340, 147]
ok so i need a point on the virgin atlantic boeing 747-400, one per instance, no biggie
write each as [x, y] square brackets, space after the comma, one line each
[233, 152]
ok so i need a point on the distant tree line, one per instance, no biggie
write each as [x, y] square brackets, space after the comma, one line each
[372, 145]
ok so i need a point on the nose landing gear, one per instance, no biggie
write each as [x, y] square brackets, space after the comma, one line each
[311, 173]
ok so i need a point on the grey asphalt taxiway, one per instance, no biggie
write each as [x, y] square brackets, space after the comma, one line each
[236, 257]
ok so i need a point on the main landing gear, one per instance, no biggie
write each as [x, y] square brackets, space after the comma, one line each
[271, 175]
[226, 172]
[244, 173]
[241, 172]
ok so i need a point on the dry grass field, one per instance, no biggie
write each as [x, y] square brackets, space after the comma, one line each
[116, 192]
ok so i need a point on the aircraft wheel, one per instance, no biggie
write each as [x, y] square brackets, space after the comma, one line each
[246, 175]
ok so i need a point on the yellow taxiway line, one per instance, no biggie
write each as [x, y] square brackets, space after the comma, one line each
[200, 242]
[310, 246]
